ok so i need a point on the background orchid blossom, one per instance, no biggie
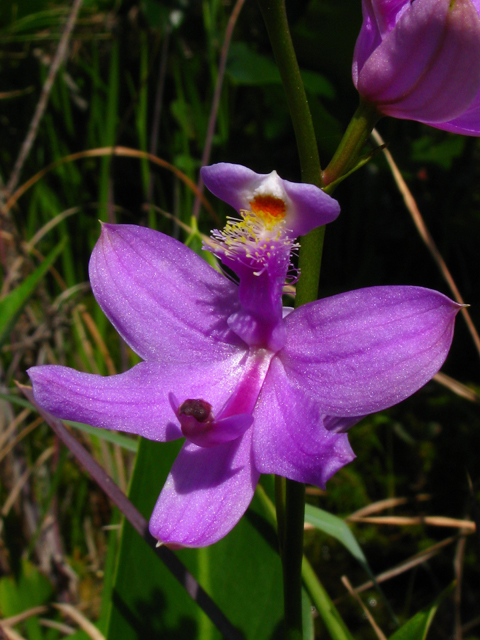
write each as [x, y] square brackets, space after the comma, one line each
[420, 60]
[252, 392]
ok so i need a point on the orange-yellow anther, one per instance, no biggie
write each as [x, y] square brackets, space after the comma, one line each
[268, 207]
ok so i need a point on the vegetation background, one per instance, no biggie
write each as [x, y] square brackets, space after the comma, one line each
[142, 76]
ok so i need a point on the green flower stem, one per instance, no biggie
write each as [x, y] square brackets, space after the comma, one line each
[275, 17]
[319, 597]
[353, 141]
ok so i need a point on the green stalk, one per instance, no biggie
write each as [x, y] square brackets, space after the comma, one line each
[275, 17]
[290, 495]
[358, 131]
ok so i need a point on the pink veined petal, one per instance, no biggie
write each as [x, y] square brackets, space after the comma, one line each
[427, 67]
[164, 300]
[307, 206]
[366, 350]
[290, 438]
[206, 493]
[136, 401]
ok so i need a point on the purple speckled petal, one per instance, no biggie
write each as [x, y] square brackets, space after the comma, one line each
[366, 350]
[427, 66]
[206, 493]
[290, 438]
[307, 206]
[136, 401]
[165, 301]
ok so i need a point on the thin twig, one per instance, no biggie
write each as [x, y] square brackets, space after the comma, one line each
[57, 60]
[216, 98]
[105, 482]
[457, 387]
[426, 236]
[379, 633]
[125, 152]
[406, 565]
[408, 521]
[457, 594]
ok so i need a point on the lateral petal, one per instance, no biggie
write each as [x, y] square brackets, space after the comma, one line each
[135, 401]
[290, 438]
[366, 350]
[164, 300]
[307, 206]
[206, 493]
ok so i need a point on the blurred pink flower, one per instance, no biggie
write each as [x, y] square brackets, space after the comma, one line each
[420, 60]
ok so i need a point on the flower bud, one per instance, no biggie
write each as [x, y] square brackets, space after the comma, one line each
[420, 60]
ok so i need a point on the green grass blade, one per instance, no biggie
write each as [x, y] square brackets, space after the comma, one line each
[12, 304]
[417, 627]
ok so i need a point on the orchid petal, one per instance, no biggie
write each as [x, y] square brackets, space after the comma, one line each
[217, 432]
[290, 438]
[206, 493]
[307, 206]
[135, 401]
[164, 300]
[427, 67]
[365, 350]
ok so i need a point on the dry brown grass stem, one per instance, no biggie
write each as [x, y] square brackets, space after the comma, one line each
[58, 626]
[417, 218]
[14, 424]
[379, 633]
[388, 503]
[10, 633]
[33, 425]
[410, 563]
[125, 152]
[15, 492]
[457, 594]
[57, 60]
[407, 521]
[222, 65]
[457, 387]
[29, 247]
[74, 614]
[14, 620]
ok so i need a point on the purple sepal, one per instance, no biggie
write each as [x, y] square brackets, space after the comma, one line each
[420, 60]
[307, 206]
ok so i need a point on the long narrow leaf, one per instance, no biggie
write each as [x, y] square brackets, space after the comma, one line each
[417, 627]
[13, 303]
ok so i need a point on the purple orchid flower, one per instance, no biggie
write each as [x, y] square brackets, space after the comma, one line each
[420, 60]
[252, 388]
